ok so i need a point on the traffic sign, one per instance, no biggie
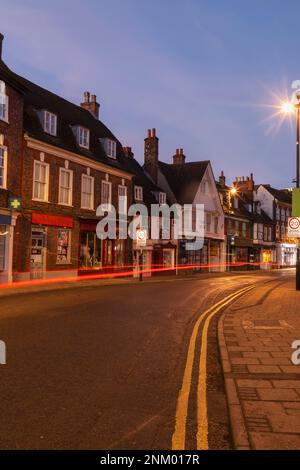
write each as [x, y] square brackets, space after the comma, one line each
[141, 237]
[294, 227]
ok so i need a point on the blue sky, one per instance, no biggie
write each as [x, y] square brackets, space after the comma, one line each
[204, 73]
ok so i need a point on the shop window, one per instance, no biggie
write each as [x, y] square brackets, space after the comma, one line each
[63, 246]
[90, 250]
[2, 246]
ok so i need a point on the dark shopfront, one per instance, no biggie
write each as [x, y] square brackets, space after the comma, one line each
[96, 254]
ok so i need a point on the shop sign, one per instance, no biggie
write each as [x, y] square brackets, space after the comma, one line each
[294, 227]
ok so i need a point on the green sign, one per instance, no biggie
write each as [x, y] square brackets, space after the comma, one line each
[296, 202]
[15, 203]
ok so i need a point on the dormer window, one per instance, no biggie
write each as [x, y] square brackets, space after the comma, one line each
[138, 193]
[162, 198]
[3, 102]
[50, 123]
[82, 136]
[110, 147]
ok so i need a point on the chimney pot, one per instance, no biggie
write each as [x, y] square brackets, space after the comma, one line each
[153, 132]
[1, 42]
[91, 105]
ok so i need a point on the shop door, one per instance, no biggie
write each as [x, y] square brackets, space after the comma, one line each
[37, 257]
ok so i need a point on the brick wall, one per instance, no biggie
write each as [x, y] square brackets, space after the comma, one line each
[23, 229]
[13, 140]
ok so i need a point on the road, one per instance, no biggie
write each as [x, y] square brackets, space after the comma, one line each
[103, 366]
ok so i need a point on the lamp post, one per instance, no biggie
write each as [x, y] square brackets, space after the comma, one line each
[297, 108]
[287, 108]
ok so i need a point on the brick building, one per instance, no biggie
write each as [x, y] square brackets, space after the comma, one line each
[277, 203]
[189, 183]
[11, 142]
[62, 162]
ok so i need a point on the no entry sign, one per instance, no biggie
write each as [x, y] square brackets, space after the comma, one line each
[294, 227]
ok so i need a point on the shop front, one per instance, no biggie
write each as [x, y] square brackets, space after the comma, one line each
[51, 247]
[99, 255]
[286, 255]
[7, 224]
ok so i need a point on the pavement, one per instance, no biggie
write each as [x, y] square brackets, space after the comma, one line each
[262, 384]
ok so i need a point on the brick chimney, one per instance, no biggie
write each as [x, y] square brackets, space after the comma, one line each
[222, 179]
[244, 184]
[151, 154]
[90, 103]
[128, 152]
[1, 42]
[179, 157]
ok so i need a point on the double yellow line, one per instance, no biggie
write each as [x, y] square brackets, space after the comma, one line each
[179, 436]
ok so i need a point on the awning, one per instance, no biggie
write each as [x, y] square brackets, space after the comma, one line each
[54, 220]
[5, 219]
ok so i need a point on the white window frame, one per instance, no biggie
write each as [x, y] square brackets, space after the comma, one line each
[46, 166]
[91, 195]
[111, 148]
[138, 193]
[50, 123]
[70, 172]
[4, 100]
[162, 198]
[208, 222]
[4, 183]
[105, 184]
[121, 187]
[79, 133]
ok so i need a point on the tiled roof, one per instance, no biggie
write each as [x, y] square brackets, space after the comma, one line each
[184, 179]
[282, 195]
[68, 114]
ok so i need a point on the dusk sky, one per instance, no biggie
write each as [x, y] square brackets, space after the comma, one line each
[204, 73]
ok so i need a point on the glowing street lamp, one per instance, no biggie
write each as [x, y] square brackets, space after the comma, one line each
[289, 107]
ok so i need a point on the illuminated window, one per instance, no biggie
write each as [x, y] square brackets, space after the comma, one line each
[87, 192]
[3, 166]
[3, 102]
[65, 187]
[40, 181]
[63, 246]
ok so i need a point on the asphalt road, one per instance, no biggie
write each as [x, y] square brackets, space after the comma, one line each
[101, 367]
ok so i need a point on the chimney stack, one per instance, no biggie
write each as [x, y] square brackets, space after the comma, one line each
[1, 42]
[128, 152]
[222, 179]
[244, 184]
[179, 157]
[151, 154]
[90, 104]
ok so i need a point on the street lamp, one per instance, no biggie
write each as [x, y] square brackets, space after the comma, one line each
[231, 193]
[289, 108]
